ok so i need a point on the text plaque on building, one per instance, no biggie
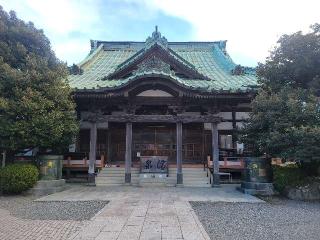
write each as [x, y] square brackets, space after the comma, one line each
[154, 164]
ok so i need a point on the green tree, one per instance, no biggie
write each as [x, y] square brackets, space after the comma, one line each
[294, 62]
[285, 117]
[36, 105]
[284, 124]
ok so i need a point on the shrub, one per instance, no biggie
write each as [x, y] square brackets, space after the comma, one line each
[311, 168]
[286, 176]
[16, 178]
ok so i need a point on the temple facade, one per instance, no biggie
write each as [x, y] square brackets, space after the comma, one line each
[157, 106]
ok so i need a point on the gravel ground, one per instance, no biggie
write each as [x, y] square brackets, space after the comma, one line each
[26, 208]
[276, 219]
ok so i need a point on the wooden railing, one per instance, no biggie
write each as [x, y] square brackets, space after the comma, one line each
[82, 162]
[227, 163]
[232, 163]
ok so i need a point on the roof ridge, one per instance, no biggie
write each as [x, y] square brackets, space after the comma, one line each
[90, 56]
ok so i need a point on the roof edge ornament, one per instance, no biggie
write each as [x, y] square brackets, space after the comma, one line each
[156, 39]
[94, 44]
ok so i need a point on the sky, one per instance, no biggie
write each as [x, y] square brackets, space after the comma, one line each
[251, 27]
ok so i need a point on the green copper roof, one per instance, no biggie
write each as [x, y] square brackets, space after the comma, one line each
[208, 58]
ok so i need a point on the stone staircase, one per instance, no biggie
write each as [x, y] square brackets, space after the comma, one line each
[192, 177]
[195, 177]
[113, 176]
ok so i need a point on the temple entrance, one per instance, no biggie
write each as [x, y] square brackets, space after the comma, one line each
[154, 140]
[157, 139]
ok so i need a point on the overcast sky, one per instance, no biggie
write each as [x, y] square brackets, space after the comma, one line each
[251, 27]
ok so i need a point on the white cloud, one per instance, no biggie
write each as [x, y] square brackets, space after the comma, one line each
[58, 19]
[251, 27]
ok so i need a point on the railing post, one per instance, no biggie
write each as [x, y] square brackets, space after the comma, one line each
[215, 155]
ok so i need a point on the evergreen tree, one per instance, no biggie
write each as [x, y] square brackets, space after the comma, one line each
[294, 62]
[36, 105]
[285, 118]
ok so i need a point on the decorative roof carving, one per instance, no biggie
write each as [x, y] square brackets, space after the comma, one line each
[153, 64]
[156, 39]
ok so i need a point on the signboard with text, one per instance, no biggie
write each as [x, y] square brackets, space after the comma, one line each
[154, 164]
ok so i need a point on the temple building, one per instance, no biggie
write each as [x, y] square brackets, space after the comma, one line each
[156, 109]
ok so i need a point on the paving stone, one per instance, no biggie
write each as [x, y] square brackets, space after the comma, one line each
[107, 236]
[132, 213]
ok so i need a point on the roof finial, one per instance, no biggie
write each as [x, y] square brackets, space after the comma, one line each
[156, 38]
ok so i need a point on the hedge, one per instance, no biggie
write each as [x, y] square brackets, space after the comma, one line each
[286, 176]
[16, 178]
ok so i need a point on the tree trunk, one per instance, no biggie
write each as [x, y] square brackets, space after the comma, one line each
[4, 154]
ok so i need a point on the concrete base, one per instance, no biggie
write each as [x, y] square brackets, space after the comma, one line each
[179, 178]
[91, 179]
[256, 188]
[127, 178]
[46, 187]
[152, 180]
[216, 180]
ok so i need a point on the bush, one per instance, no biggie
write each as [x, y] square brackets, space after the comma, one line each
[16, 178]
[311, 168]
[287, 176]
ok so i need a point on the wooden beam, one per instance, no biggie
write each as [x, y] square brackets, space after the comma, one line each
[215, 154]
[128, 159]
[179, 153]
[153, 118]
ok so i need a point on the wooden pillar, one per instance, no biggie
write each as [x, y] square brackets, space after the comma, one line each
[108, 147]
[215, 154]
[234, 128]
[92, 153]
[179, 153]
[128, 159]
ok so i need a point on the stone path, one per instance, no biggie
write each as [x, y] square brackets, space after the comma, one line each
[25, 229]
[143, 219]
[132, 213]
[226, 193]
[147, 213]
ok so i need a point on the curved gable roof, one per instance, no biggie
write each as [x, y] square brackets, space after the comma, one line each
[209, 59]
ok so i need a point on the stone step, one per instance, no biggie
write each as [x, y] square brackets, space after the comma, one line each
[114, 183]
[106, 174]
[188, 169]
[195, 182]
[117, 170]
[197, 185]
[112, 178]
[99, 182]
[116, 173]
[194, 174]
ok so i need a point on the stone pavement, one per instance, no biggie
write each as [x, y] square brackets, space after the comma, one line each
[133, 213]
[147, 213]
[13, 228]
[143, 219]
[226, 193]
